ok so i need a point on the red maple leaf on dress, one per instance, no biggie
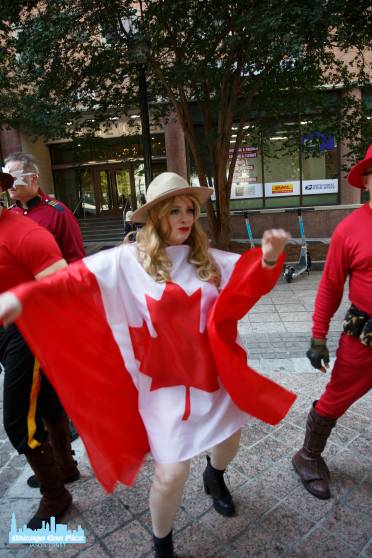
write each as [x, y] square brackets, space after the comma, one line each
[179, 354]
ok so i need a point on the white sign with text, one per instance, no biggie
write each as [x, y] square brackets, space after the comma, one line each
[319, 187]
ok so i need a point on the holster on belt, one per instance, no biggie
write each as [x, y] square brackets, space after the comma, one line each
[358, 324]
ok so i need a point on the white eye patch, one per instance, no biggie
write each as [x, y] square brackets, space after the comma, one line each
[18, 175]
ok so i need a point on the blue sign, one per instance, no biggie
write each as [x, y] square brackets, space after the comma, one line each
[313, 140]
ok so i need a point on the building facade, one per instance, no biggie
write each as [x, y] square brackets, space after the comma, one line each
[104, 176]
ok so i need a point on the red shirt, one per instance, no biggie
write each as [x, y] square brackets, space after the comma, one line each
[59, 220]
[25, 250]
[350, 254]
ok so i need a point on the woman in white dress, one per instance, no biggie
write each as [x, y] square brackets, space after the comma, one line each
[171, 271]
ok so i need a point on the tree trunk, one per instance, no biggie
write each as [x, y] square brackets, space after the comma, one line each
[221, 238]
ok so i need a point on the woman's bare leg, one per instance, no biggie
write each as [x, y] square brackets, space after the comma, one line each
[224, 453]
[166, 494]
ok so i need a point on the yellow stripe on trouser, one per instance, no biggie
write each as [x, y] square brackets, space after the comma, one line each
[31, 424]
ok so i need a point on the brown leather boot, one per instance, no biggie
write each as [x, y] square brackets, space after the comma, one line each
[307, 462]
[55, 498]
[59, 438]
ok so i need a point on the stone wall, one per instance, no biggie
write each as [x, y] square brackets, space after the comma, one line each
[319, 223]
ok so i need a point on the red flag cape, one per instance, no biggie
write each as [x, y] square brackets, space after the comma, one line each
[65, 325]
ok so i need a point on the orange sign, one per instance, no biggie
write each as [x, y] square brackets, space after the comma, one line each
[282, 188]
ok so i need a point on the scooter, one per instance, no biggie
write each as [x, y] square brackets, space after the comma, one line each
[304, 263]
[249, 228]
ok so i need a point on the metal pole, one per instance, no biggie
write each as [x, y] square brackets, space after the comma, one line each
[146, 138]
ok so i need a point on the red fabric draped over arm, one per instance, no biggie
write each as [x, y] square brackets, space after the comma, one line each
[64, 323]
[251, 392]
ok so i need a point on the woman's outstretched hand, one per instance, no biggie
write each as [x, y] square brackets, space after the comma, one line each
[273, 243]
[10, 308]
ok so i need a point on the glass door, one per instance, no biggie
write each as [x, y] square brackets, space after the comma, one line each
[121, 181]
[106, 191]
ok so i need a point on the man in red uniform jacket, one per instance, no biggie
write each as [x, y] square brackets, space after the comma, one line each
[30, 200]
[27, 252]
[350, 255]
[49, 213]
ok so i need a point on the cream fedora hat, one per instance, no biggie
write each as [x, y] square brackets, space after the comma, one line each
[166, 185]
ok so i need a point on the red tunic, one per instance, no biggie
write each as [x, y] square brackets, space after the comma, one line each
[59, 220]
[350, 253]
[25, 250]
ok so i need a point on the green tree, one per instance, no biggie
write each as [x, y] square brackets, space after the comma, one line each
[70, 65]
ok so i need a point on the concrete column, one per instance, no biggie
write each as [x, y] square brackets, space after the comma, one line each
[175, 148]
[349, 194]
[10, 140]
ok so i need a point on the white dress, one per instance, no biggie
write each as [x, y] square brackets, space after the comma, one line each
[174, 432]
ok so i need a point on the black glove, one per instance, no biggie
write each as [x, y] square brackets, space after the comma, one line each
[318, 351]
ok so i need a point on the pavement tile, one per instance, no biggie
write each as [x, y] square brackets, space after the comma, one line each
[132, 540]
[289, 308]
[224, 551]
[273, 317]
[24, 551]
[227, 528]
[298, 316]
[256, 542]
[107, 516]
[181, 520]
[291, 435]
[194, 500]
[361, 407]
[262, 309]
[367, 552]
[356, 465]
[198, 465]
[313, 508]
[234, 478]
[251, 461]
[348, 524]
[342, 436]
[251, 434]
[279, 478]
[321, 544]
[362, 446]
[251, 500]
[195, 540]
[286, 524]
[361, 498]
[245, 328]
[95, 551]
[136, 498]
[299, 326]
[87, 493]
[269, 327]
[8, 475]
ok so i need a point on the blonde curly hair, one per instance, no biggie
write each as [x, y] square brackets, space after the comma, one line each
[152, 242]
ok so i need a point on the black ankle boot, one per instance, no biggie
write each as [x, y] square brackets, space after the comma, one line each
[214, 485]
[164, 547]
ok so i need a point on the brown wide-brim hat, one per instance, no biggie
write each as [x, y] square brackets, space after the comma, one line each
[167, 185]
[6, 181]
[355, 177]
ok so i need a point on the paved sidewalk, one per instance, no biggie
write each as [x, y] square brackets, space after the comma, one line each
[276, 516]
